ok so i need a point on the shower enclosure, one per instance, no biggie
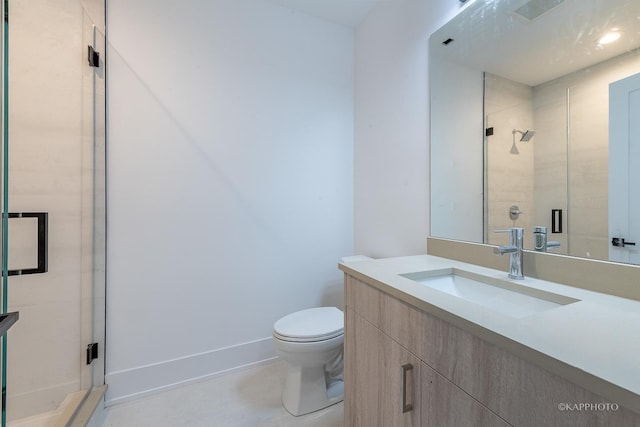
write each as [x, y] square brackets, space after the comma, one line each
[53, 207]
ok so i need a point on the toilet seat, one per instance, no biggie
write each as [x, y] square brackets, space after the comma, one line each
[311, 325]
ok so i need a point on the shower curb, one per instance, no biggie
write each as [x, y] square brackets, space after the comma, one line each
[82, 416]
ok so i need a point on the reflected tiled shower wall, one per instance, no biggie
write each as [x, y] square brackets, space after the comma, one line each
[509, 168]
[565, 165]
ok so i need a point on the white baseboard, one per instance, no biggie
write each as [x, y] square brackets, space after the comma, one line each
[131, 384]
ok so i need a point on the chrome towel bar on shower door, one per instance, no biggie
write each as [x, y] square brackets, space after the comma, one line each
[43, 245]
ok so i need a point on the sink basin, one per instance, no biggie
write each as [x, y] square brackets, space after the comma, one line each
[503, 296]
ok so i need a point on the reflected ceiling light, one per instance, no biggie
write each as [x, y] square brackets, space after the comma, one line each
[609, 37]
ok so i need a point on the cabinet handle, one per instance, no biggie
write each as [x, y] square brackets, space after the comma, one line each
[406, 407]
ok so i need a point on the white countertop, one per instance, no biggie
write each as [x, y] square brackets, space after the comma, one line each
[594, 342]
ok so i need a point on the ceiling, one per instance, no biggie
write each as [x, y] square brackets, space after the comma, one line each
[348, 13]
[490, 36]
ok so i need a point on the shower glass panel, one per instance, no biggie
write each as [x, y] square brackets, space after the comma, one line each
[53, 171]
[4, 205]
[94, 195]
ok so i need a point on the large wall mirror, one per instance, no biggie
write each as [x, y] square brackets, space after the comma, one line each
[535, 122]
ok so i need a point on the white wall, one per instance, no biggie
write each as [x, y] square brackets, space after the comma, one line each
[230, 182]
[391, 193]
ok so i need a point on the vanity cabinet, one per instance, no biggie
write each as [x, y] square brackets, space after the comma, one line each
[386, 384]
[456, 378]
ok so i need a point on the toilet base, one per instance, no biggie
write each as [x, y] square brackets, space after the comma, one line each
[306, 390]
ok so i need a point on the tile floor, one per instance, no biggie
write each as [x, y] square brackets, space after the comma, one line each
[248, 397]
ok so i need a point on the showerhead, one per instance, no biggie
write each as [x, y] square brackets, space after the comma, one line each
[526, 135]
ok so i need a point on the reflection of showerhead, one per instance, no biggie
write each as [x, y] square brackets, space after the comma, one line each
[526, 135]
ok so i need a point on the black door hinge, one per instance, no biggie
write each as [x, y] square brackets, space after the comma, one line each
[93, 57]
[92, 352]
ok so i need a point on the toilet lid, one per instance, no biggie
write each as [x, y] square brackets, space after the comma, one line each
[313, 324]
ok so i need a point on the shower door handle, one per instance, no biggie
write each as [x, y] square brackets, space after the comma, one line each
[43, 244]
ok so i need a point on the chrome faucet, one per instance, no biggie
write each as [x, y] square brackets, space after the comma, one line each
[514, 249]
[540, 242]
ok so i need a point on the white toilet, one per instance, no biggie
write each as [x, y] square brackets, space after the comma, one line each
[311, 343]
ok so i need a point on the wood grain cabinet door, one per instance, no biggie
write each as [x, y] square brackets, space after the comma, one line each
[446, 405]
[382, 379]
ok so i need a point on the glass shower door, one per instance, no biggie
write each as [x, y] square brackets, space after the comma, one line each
[4, 33]
[52, 206]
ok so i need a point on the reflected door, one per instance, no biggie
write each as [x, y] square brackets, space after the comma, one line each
[624, 170]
